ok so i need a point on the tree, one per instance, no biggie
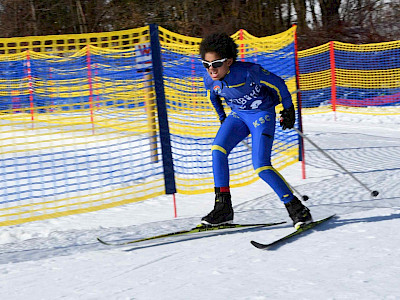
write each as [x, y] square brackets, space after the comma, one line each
[330, 13]
[301, 12]
[319, 21]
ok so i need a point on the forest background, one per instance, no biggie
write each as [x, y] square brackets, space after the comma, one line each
[318, 21]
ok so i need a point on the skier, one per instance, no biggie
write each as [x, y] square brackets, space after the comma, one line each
[252, 92]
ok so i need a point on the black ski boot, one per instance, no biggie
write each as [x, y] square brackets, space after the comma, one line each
[298, 212]
[222, 212]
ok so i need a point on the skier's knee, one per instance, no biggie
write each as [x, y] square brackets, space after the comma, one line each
[258, 170]
[218, 148]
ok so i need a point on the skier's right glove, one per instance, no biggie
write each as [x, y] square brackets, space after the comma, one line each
[288, 118]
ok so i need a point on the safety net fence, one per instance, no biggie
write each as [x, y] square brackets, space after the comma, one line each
[350, 78]
[87, 124]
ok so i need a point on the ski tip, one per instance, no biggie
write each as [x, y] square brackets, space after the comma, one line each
[257, 245]
[101, 241]
[254, 243]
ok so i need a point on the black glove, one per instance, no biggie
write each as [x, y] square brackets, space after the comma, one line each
[288, 118]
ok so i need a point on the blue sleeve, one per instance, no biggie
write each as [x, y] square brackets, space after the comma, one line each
[217, 103]
[276, 85]
[215, 99]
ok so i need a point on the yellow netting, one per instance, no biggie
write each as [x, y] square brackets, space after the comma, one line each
[67, 44]
[77, 133]
[79, 127]
[351, 78]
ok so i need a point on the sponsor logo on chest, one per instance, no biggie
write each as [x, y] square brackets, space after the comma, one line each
[247, 99]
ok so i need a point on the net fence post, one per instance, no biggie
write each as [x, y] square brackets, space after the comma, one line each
[165, 138]
[299, 106]
[333, 75]
[90, 83]
[30, 86]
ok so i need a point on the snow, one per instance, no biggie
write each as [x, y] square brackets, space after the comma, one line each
[354, 256]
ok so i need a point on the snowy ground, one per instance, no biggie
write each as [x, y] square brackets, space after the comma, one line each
[355, 256]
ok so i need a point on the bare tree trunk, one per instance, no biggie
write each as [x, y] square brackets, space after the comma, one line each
[330, 13]
[81, 17]
[313, 14]
[34, 20]
[289, 17]
[280, 16]
[300, 7]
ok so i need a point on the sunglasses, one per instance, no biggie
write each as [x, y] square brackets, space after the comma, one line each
[215, 64]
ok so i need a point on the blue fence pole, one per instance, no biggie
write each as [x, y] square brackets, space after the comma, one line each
[165, 138]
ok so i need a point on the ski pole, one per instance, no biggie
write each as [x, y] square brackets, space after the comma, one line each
[247, 145]
[373, 193]
[303, 197]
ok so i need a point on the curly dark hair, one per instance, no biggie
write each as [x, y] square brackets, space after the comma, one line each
[220, 43]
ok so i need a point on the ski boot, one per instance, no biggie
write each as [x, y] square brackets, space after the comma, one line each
[298, 213]
[222, 212]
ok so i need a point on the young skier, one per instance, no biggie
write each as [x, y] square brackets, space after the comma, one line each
[252, 93]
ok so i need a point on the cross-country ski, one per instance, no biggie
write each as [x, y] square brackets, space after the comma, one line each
[197, 229]
[296, 233]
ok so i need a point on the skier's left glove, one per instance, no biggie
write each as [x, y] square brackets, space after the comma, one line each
[288, 118]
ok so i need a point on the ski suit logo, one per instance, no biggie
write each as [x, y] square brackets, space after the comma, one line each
[248, 98]
[256, 104]
[261, 121]
[217, 89]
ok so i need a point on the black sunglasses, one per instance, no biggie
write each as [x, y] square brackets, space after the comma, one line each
[215, 64]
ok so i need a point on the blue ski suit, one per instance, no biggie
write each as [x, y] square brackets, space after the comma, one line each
[252, 93]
